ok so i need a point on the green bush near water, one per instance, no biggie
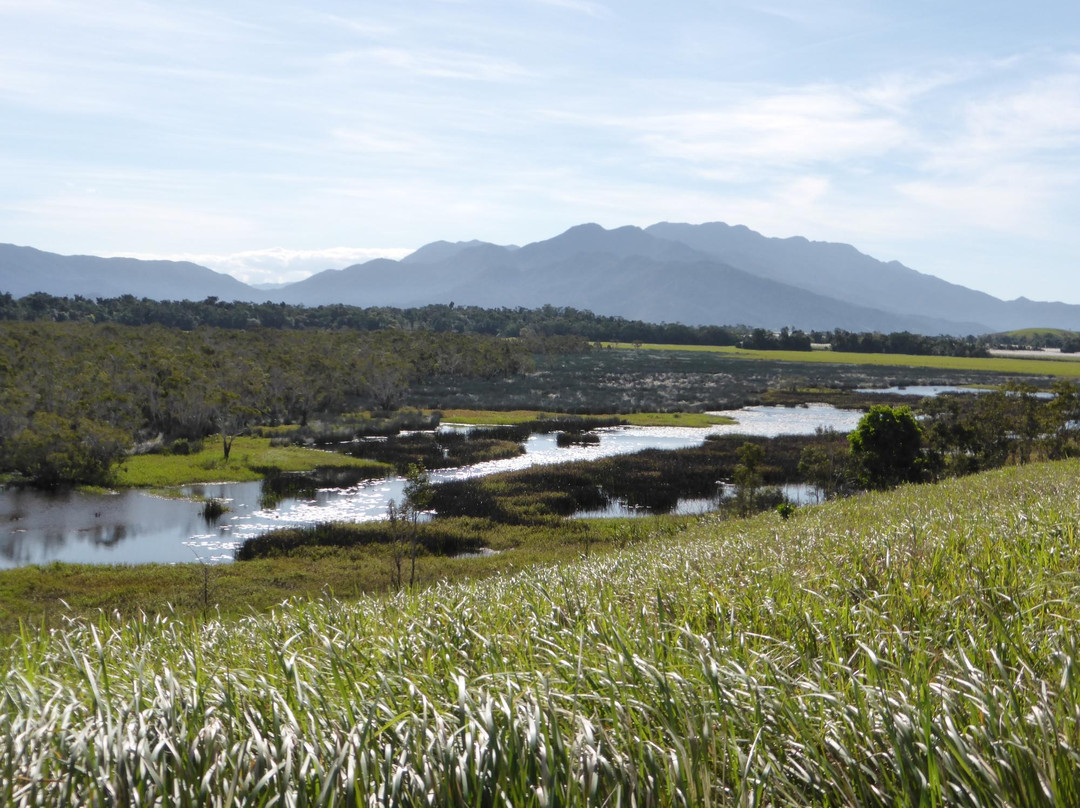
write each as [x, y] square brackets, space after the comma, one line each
[914, 647]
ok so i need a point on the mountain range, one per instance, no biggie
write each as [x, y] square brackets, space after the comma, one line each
[694, 274]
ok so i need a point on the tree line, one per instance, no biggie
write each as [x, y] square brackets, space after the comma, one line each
[546, 321]
[903, 342]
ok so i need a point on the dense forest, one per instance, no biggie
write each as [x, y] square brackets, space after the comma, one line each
[75, 396]
[546, 321]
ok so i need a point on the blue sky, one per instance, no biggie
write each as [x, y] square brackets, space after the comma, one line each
[272, 139]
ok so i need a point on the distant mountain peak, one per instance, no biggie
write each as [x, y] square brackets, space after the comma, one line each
[439, 251]
[712, 273]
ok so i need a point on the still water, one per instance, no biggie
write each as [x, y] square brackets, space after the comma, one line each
[931, 390]
[134, 527]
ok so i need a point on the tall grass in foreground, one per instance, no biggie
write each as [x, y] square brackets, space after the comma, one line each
[913, 648]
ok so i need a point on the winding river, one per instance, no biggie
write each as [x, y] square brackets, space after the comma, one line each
[134, 527]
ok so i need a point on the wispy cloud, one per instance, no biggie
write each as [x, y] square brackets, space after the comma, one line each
[591, 9]
[434, 63]
[366, 27]
[786, 127]
[87, 215]
[278, 264]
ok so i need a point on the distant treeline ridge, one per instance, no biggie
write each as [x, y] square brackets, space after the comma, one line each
[545, 322]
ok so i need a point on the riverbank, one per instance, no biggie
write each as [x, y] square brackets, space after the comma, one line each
[47, 595]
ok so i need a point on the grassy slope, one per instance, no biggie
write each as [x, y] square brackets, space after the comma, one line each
[910, 648]
[515, 417]
[1065, 365]
[1037, 332]
[249, 459]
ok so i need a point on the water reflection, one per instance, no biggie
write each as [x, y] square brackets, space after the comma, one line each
[924, 390]
[134, 527]
[795, 493]
[931, 390]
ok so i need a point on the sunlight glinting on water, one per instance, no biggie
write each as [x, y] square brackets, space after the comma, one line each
[368, 501]
[137, 527]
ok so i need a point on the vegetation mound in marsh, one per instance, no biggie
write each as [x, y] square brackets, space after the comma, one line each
[653, 478]
[439, 450]
[250, 459]
[913, 647]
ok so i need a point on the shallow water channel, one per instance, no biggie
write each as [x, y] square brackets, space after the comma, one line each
[134, 527]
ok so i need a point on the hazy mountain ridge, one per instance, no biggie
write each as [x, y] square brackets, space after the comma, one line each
[25, 270]
[704, 274]
[837, 270]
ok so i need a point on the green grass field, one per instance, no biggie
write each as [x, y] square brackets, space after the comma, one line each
[1065, 366]
[910, 648]
[249, 460]
[520, 417]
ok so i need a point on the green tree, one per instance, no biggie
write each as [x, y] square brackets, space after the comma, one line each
[824, 468]
[1059, 416]
[419, 492]
[1026, 421]
[747, 476]
[886, 447]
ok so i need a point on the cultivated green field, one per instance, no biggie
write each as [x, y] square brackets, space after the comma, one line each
[1066, 365]
[911, 648]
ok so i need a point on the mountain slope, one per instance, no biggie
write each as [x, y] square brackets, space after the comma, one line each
[695, 274]
[626, 271]
[842, 272]
[24, 270]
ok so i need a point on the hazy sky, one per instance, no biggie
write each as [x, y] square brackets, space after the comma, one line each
[271, 139]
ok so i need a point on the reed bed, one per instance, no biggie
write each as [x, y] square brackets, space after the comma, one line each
[911, 648]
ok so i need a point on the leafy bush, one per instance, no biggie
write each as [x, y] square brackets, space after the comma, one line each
[886, 447]
[185, 446]
[53, 451]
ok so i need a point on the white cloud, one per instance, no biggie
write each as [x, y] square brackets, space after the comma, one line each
[764, 129]
[278, 264]
[1038, 122]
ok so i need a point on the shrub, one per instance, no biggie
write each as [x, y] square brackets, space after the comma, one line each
[53, 451]
[184, 446]
[886, 447]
